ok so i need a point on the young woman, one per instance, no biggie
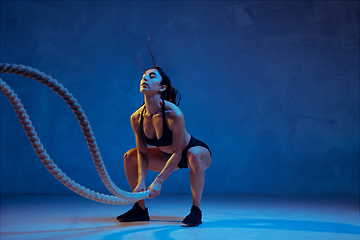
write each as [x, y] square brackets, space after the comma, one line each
[160, 123]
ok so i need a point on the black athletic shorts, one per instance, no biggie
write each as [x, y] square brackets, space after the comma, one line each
[193, 143]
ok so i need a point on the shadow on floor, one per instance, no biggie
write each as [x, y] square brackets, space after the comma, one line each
[164, 232]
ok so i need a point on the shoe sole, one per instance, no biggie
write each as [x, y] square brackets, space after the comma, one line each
[190, 225]
[134, 220]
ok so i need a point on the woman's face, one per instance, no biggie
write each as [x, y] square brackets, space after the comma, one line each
[151, 82]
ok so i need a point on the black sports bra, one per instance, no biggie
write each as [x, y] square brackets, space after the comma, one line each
[166, 137]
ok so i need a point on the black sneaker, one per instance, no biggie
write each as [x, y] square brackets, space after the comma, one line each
[135, 214]
[194, 218]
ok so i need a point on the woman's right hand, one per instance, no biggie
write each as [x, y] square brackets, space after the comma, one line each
[140, 187]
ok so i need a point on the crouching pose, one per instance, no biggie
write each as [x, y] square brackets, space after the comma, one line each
[160, 123]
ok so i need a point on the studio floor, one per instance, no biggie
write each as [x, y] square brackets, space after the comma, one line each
[224, 217]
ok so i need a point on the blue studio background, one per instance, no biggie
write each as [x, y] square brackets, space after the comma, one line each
[271, 87]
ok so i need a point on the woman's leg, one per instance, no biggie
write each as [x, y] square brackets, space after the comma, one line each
[199, 159]
[157, 161]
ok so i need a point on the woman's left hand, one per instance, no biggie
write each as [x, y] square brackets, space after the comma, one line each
[155, 189]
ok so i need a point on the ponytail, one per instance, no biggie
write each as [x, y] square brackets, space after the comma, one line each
[172, 95]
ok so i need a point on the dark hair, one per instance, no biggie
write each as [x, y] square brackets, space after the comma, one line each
[170, 94]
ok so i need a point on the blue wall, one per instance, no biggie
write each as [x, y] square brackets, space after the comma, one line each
[271, 87]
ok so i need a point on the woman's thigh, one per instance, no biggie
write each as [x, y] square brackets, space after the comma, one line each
[157, 159]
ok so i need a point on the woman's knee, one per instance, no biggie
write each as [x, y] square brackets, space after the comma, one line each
[130, 157]
[194, 159]
[198, 157]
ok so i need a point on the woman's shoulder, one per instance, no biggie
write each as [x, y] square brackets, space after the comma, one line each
[136, 115]
[172, 111]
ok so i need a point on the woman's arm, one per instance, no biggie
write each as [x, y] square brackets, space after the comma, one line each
[177, 125]
[142, 153]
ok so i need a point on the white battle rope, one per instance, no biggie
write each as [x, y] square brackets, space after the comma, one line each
[121, 197]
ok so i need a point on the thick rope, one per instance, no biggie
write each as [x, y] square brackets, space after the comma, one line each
[121, 197]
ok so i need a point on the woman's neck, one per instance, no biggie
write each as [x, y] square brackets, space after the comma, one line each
[152, 104]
